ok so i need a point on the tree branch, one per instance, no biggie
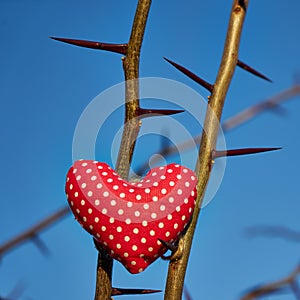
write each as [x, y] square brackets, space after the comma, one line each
[177, 268]
[131, 129]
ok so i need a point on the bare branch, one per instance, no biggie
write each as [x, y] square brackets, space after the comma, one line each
[273, 287]
[33, 232]
[177, 268]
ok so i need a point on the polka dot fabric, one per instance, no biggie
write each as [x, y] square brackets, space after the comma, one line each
[127, 218]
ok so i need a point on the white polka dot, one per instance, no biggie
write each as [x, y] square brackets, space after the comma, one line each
[171, 199]
[119, 229]
[109, 180]
[154, 174]
[111, 220]
[170, 171]
[161, 225]
[155, 183]
[167, 234]
[193, 177]
[128, 221]
[76, 194]
[100, 167]
[142, 255]
[90, 193]
[144, 223]
[72, 203]
[83, 185]
[178, 176]
[115, 187]
[104, 211]
[154, 198]
[93, 178]
[103, 228]
[104, 173]
[90, 210]
[74, 171]
[129, 204]
[185, 170]
[190, 210]
[163, 191]
[135, 230]
[175, 226]
[162, 177]
[120, 212]
[133, 263]
[131, 190]
[187, 184]
[88, 171]
[98, 235]
[153, 215]
[126, 254]
[192, 193]
[99, 186]
[146, 206]
[106, 194]
[84, 219]
[118, 246]
[97, 202]
[84, 164]
[169, 217]
[179, 192]
[147, 191]
[71, 186]
[82, 202]
[140, 270]
[113, 202]
[152, 232]
[96, 220]
[177, 208]
[134, 247]
[150, 249]
[137, 213]
[126, 238]
[143, 240]
[78, 211]
[91, 227]
[171, 183]
[138, 197]
[186, 200]
[183, 218]
[158, 243]
[162, 207]
[78, 177]
[122, 195]
[140, 184]
[111, 237]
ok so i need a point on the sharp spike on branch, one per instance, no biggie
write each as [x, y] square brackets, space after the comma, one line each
[244, 151]
[145, 112]
[117, 48]
[246, 67]
[120, 291]
[191, 75]
[171, 247]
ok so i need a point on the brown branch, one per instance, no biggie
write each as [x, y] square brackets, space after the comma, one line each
[273, 287]
[34, 231]
[131, 129]
[177, 268]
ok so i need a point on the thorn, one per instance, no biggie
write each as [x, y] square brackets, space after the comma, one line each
[40, 245]
[170, 247]
[190, 74]
[244, 151]
[145, 112]
[117, 48]
[120, 291]
[251, 70]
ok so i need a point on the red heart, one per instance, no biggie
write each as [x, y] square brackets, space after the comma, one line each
[127, 218]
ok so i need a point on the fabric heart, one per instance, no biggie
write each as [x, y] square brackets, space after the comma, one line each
[128, 218]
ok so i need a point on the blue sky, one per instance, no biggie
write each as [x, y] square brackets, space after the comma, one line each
[46, 85]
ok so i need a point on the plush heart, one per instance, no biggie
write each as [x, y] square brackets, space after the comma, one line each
[128, 218]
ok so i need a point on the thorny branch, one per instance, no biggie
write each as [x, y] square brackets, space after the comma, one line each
[131, 129]
[177, 268]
